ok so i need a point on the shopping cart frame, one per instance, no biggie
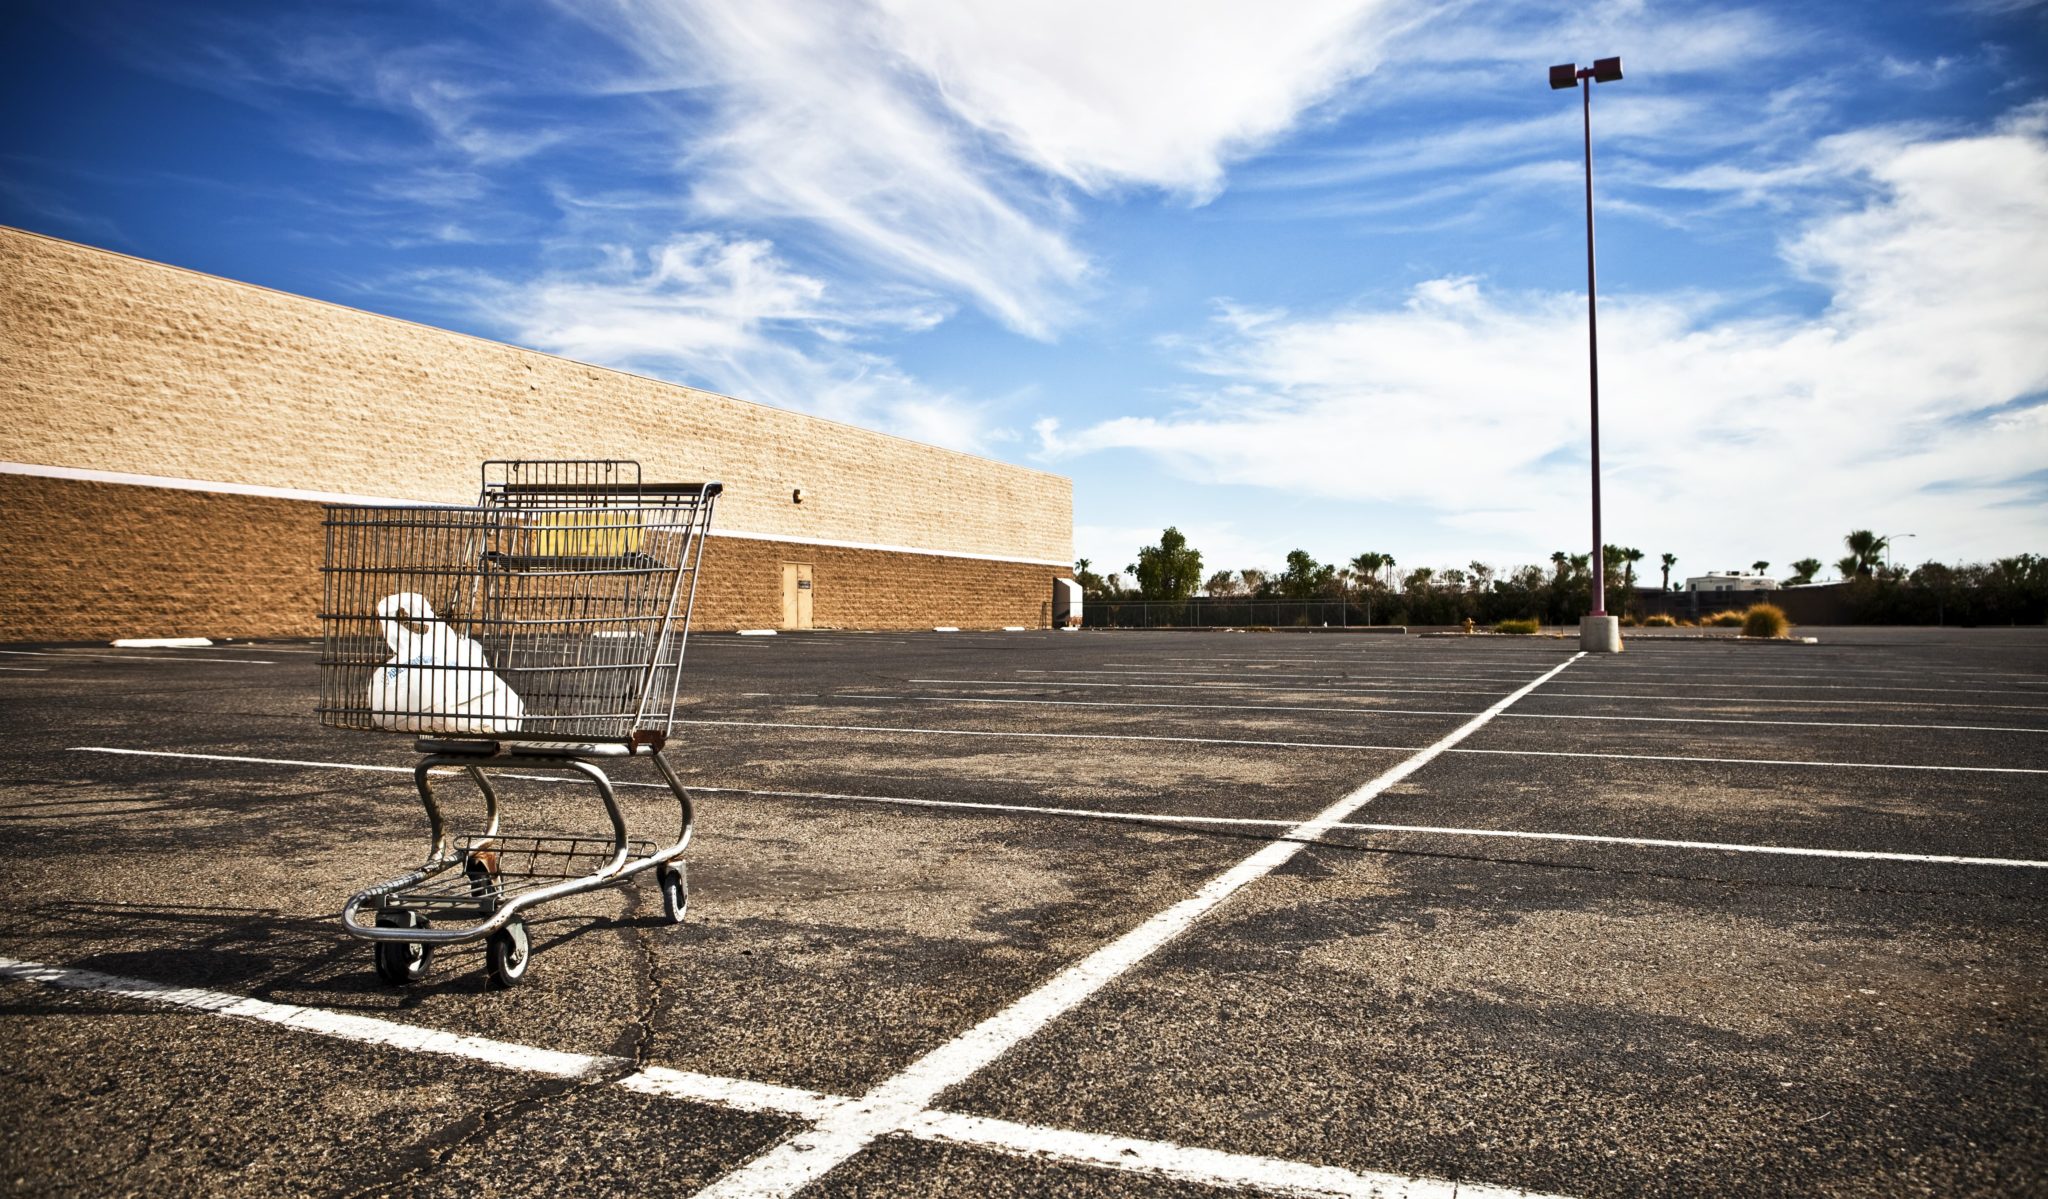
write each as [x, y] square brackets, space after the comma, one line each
[477, 887]
[481, 895]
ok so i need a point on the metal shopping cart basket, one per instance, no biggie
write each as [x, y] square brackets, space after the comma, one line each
[541, 631]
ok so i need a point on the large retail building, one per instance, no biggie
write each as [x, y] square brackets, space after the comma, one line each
[171, 438]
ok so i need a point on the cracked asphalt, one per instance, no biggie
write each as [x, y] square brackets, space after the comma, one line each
[1579, 1017]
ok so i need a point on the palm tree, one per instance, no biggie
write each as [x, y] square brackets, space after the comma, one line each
[1670, 560]
[1867, 550]
[1367, 567]
[1557, 560]
[1631, 555]
[1804, 570]
[1759, 567]
[1391, 564]
[1369, 564]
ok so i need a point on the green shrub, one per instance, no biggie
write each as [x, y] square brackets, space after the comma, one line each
[1519, 627]
[1764, 620]
[1659, 621]
[1722, 620]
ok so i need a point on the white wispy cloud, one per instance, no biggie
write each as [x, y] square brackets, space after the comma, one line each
[1153, 94]
[934, 139]
[1916, 396]
[729, 315]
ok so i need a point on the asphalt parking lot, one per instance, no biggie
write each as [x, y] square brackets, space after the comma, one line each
[1071, 914]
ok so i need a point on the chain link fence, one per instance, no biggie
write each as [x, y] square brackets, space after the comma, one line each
[1212, 612]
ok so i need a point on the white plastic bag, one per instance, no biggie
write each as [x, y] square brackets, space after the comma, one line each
[437, 680]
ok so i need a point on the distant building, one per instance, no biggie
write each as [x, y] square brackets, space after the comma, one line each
[1732, 580]
[172, 440]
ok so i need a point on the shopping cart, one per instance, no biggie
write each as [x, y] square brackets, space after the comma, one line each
[539, 631]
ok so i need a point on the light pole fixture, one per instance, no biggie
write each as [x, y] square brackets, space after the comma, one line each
[1888, 539]
[1603, 70]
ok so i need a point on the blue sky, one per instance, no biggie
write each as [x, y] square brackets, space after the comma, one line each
[1304, 275]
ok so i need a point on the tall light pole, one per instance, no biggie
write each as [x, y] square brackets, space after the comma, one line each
[1600, 631]
[1889, 538]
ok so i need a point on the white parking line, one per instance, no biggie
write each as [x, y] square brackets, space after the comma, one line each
[899, 1101]
[1767, 701]
[1157, 1159]
[739, 1094]
[1804, 763]
[1379, 713]
[1740, 676]
[976, 700]
[916, 730]
[1663, 693]
[1815, 724]
[1666, 697]
[1251, 680]
[1180, 1163]
[364, 1030]
[1842, 724]
[164, 657]
[1208, 687]
[968, 805]
[1865, 855]
[931, 732]
[27, 669]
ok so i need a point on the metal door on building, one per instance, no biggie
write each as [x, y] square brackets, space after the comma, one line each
[796, 595]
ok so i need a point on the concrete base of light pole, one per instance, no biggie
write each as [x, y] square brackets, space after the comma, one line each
[1600, 634]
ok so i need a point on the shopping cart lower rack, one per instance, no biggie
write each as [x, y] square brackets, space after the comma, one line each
[540, 631]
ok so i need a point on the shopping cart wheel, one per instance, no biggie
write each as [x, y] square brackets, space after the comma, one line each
[509, 952]
[675, 891]
[401, 962]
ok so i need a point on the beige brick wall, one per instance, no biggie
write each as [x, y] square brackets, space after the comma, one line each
[115, 364]
[94, 561]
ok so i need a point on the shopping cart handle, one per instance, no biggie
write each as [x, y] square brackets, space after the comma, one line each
[608, 490]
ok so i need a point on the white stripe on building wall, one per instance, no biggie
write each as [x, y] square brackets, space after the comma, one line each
[336, 497]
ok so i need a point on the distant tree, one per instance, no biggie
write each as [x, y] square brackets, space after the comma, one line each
[1614, 562]
[1304, 576]
[1418, 578]
[1850, 567]
[1866, 550]
[1390, 565]
[1171, 570]
[1092, 584]
[1254, 581]
[1482, 576]
[1557, 560]
[1631, 556]
[1803, 572]
[1669, 560]
[1759, 566]
[1368, 567]
[1223, 584]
